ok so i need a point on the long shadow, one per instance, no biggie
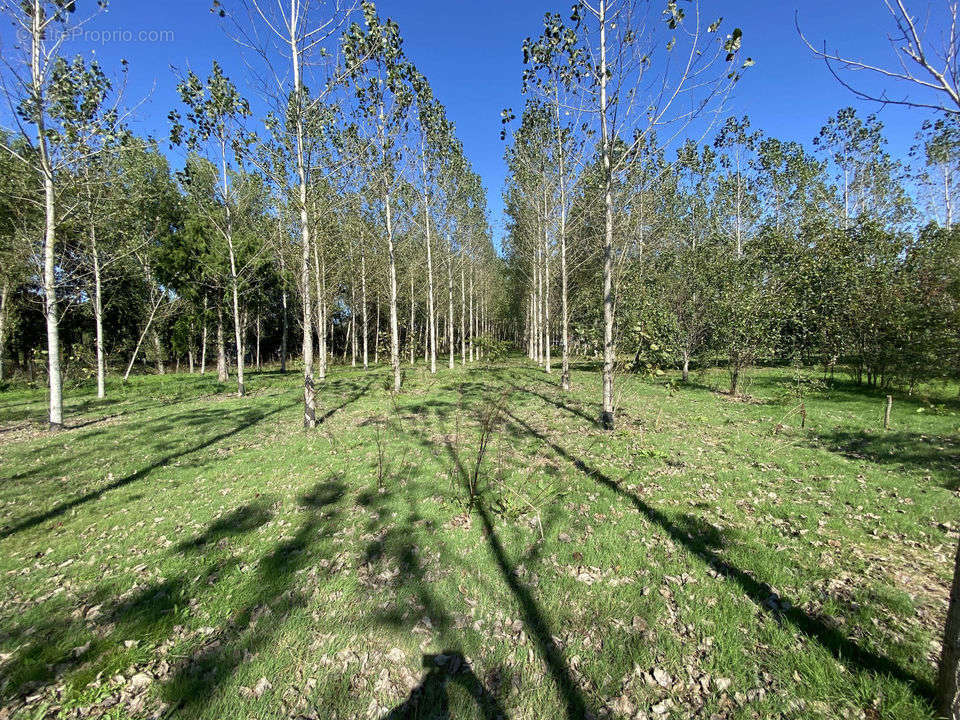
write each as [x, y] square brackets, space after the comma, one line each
[94, 421]
[349, 401]
[906, 450]
[196, 679]
[240, 521]
[845, 650]
[558, 404]
[251, 419]
[533, 618]
[152, 611]
[14, 428]
[412, 597]
[154, 428]
[148, 613]
[430, 699]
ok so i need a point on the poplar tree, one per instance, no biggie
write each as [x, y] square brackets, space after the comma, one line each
[215, 112]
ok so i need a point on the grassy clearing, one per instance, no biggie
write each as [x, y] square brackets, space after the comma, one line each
[180, 552]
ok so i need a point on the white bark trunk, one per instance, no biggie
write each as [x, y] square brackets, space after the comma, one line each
[609, 349]
[98, 312]
[432, 321]
[376, 335]
[203, 340]
[470, 327]
[449, 309]
[146, 329]
[237, 327]
[4, 294]
[309, 399]
[412, 331]
[394, 328]
[50, 228]
[257, 324]
[463, 311]
[564, 311]
[546, 301]
[363, 300]
[353, 326]
[223, 374]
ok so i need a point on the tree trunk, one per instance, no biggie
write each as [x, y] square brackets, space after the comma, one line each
[324, 341]
[53, 320]
[154, 335]
[363, 301]
[146, 329]
[564, 311]
[532, 326]
[353, 326]
[412, 330]
[538, 305]
[686, 366]
[463, 311]
[158, 351]
[609, 350]
[257, 323]
[376, 335]
[450, 307]
[470, 327]
[234, 281]
[309, 399]
[50, 229]
[320, 283]
[546, 301]
[948, 677]
[432, 322]
[98, 312]
[223, 373]
[394, 328]
[283, 309]
[203, 340]
[4, 294]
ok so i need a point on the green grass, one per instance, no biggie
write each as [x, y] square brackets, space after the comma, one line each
[182, 552]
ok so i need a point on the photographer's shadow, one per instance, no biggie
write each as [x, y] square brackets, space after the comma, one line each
[430, 699]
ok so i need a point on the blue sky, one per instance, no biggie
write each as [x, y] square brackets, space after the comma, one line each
[470, 53]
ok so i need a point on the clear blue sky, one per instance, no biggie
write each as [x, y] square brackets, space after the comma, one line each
[470, 53]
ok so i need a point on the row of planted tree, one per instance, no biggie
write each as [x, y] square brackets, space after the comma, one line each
[634, 220]
[346, 218]
[737, 248]
[350, 209]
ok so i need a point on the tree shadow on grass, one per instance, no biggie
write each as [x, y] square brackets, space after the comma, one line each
[431, 698]
[197, 678]
[242, 520]
[534, 620]
[905, 450]
[706, 545]
[357, 395]
[145, 612]
[395, 570]
[248, 419]
[559, 404]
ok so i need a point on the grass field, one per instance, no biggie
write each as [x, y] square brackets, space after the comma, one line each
[180, 552]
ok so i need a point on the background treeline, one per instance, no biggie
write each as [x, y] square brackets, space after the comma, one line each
[344, 223]
[165, 275]
[745, 249]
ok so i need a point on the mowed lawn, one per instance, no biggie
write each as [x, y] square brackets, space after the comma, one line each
[180, 552]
